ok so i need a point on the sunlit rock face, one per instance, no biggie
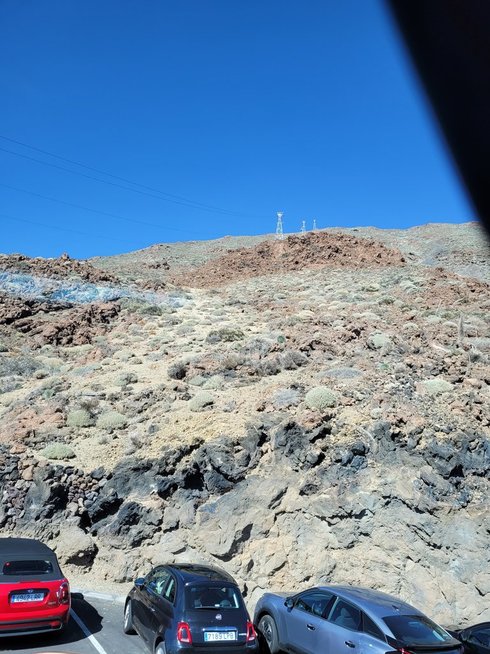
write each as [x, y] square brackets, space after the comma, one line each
[303, 421]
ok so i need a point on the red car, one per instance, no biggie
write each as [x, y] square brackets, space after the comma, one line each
[34, 593]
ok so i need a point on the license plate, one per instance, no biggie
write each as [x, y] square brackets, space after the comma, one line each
[27, 597]
[213, 636]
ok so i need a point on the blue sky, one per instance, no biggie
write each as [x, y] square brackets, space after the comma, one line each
[234, 109]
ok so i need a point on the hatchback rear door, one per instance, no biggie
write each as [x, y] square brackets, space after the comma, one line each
[216, 614]
[29, 587]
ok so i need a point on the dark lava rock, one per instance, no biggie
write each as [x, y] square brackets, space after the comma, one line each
[44, 497]
[132, 525]
[304, 449]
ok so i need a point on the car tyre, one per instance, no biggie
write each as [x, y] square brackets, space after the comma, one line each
[128, 619]
[160, 648]
[268, 630]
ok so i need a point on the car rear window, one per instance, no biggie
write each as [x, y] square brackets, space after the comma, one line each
[212, 597]
[26, 567]
[417, 630]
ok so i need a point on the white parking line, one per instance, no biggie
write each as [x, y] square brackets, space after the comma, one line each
[93, 640]
[109, 597]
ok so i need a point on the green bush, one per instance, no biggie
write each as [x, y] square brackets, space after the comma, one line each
[127, 378]
[379, 341]
[436, 386]
[111, 420]
[225, 335]
[58, 451]
[201, 400]
[151, 310]
[213, 383]
[321, 398]
[79, 418]
[23, 366]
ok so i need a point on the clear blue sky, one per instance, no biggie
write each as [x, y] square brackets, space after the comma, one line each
[251, 106]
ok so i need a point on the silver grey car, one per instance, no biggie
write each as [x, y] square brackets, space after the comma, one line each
[338, 619]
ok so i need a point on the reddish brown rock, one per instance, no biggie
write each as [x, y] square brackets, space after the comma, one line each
[312, 250]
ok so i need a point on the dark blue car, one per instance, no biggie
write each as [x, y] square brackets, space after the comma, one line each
[189, 609]
[476, 639]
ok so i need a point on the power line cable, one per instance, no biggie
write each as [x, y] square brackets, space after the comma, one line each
[97, 211]
[103, 172]
[103, 181]
[170, 197]
[57, 228]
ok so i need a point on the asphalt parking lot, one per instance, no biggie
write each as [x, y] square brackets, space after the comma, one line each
[95, 627]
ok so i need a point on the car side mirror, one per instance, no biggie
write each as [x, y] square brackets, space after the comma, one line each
[140, 582]
[289, 603]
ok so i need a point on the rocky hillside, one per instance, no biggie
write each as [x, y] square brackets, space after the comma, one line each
[299, 411]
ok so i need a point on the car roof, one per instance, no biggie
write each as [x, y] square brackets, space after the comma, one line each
[24, 547]
[195, 573]
[374, 602]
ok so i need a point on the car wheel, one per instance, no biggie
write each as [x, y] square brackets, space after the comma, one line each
[128, 619]
[268, 630]
[160, 648]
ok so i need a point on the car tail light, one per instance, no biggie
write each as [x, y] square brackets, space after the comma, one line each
[184, 633]
[251, 635]
[63, 593]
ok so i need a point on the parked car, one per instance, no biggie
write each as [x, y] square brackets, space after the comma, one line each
[337, 619]
[34, 593]
[189, 608]
[476, 639]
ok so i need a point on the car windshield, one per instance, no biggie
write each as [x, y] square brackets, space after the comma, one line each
[212, 597]
[27, 566]
[417, 630]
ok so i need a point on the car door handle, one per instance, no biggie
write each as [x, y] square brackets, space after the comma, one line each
[349, 643]
[311, 627]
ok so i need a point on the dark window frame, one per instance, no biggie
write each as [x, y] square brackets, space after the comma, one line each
[6, 572]
[333, 607]
[149, 581]
[173, 598]
[378, 633]
[420, 620]
[201, 587]
[322, 595]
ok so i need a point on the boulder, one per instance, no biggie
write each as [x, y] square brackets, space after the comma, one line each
[75, 547]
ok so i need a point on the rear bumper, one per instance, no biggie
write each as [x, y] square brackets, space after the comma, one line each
[9, 627]
[216, 649]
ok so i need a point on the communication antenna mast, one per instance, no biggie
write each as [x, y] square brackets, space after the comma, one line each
[303, 226]
[314, 224]
[279, 230]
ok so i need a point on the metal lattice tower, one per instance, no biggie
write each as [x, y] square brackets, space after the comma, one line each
[279, 230]
[303, 226]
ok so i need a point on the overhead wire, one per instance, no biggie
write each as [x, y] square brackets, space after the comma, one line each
[176, 199]
[57, 228]
[126, 188]
[97, 211]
